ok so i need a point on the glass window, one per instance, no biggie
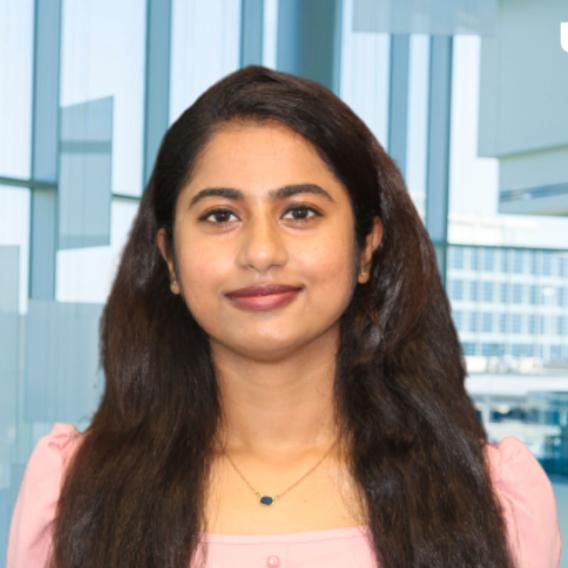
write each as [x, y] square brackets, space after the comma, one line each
[546, 264]
[556, 352]
[16, 61]
[468, 347]
[475, 259]
[505, 256]
[518, 258]
[487, 322]
[504, 292]
[533, 294]
[489, 259]
[522, 350]
[516, 323]
[492, 349]
[458, 319]
[503, 323]
[417, 127]
[532, 324]
[474, 290]
[205, 47]
[456, 288]
[15, 206]
[456, 257]
[103, 56]
[473, 321]
[518, 293]
[488, 291]
[561, 296]
[535, 263]
[562, 325]
[541, 323]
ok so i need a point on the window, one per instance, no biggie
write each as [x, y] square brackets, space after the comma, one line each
[473, 322]
[546, 264]
[518, 258]
[562, 325]
[492, 349]
[504, 323]
[489, 259]
[474, 290]
[504, 292]
[456, 257]
[516, 323]
[533, 294]
[468, 348]
[488, 291]
[457, 316]
[505, 255]
[475, 259]
[487, 322]
[517, 293]
[456, 289]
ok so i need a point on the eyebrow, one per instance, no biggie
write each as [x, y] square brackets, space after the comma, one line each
[279, 193]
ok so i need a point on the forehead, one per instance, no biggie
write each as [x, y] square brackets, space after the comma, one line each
[263, 140]
[260, 156]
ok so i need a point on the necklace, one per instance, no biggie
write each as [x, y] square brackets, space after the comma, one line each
[267, 499]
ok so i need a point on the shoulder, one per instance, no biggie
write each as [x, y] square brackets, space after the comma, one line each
[528, 502]
[29, 536]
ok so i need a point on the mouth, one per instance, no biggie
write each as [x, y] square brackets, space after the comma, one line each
[262, 290]
[264, 297]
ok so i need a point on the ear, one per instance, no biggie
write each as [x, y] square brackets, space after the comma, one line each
[161, 243]
[373, 240]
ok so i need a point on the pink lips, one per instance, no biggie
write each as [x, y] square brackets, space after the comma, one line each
[264, 297]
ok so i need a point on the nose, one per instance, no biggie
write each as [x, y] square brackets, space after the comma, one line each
[262, 245]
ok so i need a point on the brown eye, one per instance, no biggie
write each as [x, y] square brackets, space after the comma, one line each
[220, 214]
[302, 209]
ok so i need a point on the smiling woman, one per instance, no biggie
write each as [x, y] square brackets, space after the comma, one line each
[278, 322]
[257, 244]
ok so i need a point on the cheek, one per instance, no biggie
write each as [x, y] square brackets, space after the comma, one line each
[330, 269]
[203, 271]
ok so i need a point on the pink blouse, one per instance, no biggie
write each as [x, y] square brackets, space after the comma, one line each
[522, 485]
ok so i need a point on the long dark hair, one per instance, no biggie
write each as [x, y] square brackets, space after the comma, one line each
[133, 492]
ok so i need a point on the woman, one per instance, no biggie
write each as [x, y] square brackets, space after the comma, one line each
[284, 383]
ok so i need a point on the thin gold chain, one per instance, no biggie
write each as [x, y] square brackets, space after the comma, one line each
[278, 495]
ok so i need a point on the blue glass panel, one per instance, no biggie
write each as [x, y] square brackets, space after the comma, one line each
[16, 61]
[442, 17]
[488, 288]
[62, 379]
[84, 195]
[487, 322]
[489, 260]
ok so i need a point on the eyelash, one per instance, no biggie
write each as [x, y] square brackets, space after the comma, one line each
[220, 210]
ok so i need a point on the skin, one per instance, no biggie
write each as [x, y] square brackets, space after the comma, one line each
[275, 368]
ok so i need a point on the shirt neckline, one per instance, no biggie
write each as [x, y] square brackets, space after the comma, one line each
[297, 536]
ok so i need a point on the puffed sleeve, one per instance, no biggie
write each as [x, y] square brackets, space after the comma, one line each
[528, 502]
[29, 537]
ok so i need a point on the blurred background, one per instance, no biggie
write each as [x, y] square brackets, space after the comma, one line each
[470, 98]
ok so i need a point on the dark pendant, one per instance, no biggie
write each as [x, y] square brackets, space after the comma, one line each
[266, 500]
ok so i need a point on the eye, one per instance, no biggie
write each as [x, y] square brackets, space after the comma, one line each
[301, 209]
[218, 213]
[222, 215]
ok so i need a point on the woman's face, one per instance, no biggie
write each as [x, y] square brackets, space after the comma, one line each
[258, 233]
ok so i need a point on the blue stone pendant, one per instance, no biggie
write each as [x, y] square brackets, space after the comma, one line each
[266, 500]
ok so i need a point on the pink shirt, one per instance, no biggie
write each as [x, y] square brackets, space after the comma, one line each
[522, 485]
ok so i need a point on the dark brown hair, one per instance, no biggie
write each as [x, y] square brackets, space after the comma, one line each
[133, 494]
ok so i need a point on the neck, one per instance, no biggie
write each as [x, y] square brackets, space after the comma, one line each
[278, 407]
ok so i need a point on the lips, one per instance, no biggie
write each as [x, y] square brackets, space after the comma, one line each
[262, 290]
